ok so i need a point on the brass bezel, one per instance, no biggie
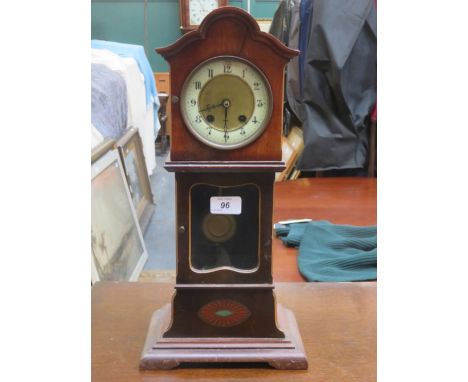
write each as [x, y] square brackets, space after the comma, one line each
[200, 137]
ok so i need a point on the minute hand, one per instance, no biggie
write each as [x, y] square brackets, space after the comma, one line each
[226, 136]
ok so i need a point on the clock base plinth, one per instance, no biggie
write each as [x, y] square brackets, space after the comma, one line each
[167, 353]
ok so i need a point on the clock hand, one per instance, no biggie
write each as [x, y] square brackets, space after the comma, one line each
[209, 107]
[226, 105]
[225, 124]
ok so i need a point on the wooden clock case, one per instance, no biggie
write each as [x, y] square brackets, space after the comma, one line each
[264, 331]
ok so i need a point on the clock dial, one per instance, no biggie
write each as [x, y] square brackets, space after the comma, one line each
[226, 102]
[198, 9]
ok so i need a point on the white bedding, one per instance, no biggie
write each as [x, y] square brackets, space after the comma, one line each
[140, 115]
[96, 137]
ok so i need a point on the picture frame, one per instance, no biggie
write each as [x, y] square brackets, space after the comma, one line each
[130, 149]
[101, 149]
[264, 24]
[118, 252]
[185, 11]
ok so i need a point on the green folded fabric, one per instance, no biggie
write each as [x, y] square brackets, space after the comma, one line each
[331, 252]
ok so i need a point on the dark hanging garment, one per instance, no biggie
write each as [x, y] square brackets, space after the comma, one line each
[340, 84]
[285, 26]
[280, 24]
[293, 95]
[304, 33]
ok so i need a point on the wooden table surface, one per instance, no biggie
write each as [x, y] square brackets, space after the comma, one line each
[337, 322]
[338, 200]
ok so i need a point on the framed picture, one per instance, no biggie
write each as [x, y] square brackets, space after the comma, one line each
[264, 24]
[118, 251]
[131, 153]
[192, 12]
[101, 149]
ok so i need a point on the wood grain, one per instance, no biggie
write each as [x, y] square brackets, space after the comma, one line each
[337, 323]
[338, 200]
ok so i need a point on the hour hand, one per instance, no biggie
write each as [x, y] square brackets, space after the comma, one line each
[209, 107]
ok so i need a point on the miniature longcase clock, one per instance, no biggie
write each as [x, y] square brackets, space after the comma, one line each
[227, 95]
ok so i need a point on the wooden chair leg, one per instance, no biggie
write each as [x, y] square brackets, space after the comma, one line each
[371, 165]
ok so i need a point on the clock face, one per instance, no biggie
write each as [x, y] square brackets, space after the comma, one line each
[226, 102]
[198, 9]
